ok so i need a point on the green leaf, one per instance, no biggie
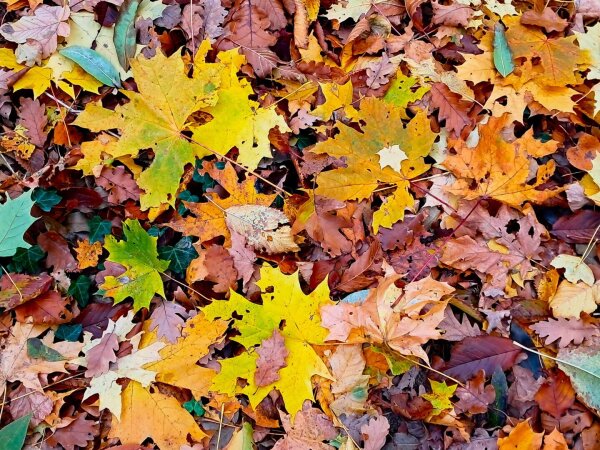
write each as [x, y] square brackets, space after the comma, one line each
[497, 415]
[46, 199]
[194, 407]
[502, 55]
[26, 260]
[68, 332]
[12, 436]
[37, 349]
[98, 229]
[93, 63]
[80, 290]
[125, 33]
[15, 218]
[138, 253]
[582, 365]
[180, 256]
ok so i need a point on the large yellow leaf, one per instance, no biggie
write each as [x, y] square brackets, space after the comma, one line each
[155, 118]
[177, 365]
[237, 120]
[284, 305]
[367, 167]
[155, 415]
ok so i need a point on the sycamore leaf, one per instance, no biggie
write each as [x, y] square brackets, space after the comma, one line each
[138, 253]
[155, 415]
[283, 303]
[360, 150]
[15, 219]
[155, 118]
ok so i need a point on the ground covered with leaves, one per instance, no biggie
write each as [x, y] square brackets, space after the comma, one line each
[300, 224]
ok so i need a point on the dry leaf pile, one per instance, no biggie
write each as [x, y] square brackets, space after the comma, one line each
[292, 225]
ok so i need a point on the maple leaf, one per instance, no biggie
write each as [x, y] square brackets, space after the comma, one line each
[440, 396]
[364, 172]
[560, 58]
[499, 168]
[210, 218]
[237, 120]
[283, 302]
[155, 118]
[403, 327]
[521, 436]
[475, 397]
[153, 414]
[138, 253]
[15, 218]
[177, 364]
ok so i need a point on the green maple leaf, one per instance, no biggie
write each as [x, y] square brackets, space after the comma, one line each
[15, 218]
[138, 253]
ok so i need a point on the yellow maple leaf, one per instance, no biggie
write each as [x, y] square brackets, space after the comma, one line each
[440, 396]
[237, 120]
[177, 365]
[155, 118]
[498, 168]
[365, 170]
[283, 303]
[155, 415]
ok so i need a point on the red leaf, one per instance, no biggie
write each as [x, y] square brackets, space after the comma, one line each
[578, 228]
[49, 308]
[59, 254]
[481, 352]
[17, 288]
[556, 395]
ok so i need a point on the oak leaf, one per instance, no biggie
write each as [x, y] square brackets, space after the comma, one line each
[309, 429]
[271, 358]
[283, 302]
[475, 397]
[565, 331]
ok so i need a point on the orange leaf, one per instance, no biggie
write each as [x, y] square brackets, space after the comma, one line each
[522, 437]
